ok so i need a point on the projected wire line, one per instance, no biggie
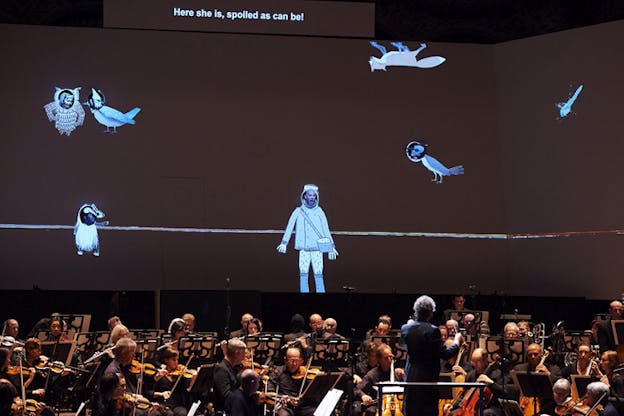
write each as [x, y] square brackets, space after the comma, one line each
[495, 236]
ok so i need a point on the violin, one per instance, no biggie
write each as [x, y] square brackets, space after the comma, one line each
[30, 407]
[308, 373]
[15, 370]
[147, 368]
[182, 371]
[130, 400]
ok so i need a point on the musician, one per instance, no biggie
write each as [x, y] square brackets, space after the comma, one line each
[511, 330]
[584, 365]
[289, 381]
[35, 384]
[8, 393]
[424, 348]
[57, 333]
[329, 329]
[459, 304]
[534, 363]
[254, 327]
[177, 400]
[450, 365]
[245, 319]
[177, 329]
[225, 373]
[189, 318]
[242, 401]
[382, 328]
[109, 396]
[315, 322]
[606, 339]
[113, 321]
[468, 324]
[368, 360]
[561, 394]
[443, 332]
[11, 329]
[118, 332]
[491, 375]
[297, 322]
[609, 362]
[452, 327]
[124, 354]
[365, 394]
[524, 329]
[595, 391]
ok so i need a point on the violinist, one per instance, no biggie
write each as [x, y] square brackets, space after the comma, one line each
[36, 382]
[245, 319]
[225, 373]
[177, 329]
[330, 326]
[56, 332]
[8, 393]
[287, 382]
[242, 402]
[122, 364]
[367, 362]
[595, 391]
[563, 403]
[609, 362]
[177, 399]
[254, 327]
[109, 398]
[365, 394]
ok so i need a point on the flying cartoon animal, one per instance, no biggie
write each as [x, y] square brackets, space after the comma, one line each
[416, 152]
[85, 230]
[106, 115]
[565, 108]
[402, 57]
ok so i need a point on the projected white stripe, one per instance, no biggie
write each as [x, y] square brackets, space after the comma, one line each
[496, 236]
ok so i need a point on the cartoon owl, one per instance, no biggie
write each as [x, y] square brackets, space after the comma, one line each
[65, 110]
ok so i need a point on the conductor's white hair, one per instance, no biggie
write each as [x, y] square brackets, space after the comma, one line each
[424, 307]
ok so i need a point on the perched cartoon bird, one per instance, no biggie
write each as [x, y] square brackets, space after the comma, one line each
[402, 57]
[108, 116]
[85, 230]
[416, 152]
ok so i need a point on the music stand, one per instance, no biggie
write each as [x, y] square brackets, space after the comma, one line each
[204, 380]
[532, 384]
[331, 353]
[580, 383]
[147, 347]
[329, 402]
[144, 333]
[264, 345]
[75, 323]
[512, 351]
[511, 407]
[59, 351]
[202, 348]
[320, 385]
[394, 342]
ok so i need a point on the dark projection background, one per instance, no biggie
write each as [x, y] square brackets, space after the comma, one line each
[232, 127]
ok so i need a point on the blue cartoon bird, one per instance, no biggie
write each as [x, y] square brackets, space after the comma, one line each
[108, 116]
[417, 152]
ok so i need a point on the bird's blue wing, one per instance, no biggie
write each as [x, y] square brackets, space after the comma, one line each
[436, 164]
[116, 115]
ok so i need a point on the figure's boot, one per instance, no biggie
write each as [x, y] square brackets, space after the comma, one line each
[320, 284]
[303, 283]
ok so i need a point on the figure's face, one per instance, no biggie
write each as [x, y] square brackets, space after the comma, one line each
[616, 309]
[382, 329]
[583, 353]
[126, 356]
[523, 328]
[55, 328]
[190, 324]
[67, 101]
[171, 363]
[559, 397]
[385, 360]
[293, 360]
[534, 353]
[245, 319]
[252, 328]
[606, 363]
[330, 326]
[12, 328]
[458, 301]
[310, 197]
[478, 361]
[316, 322]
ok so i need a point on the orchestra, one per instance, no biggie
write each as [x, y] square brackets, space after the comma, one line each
[180, 369]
